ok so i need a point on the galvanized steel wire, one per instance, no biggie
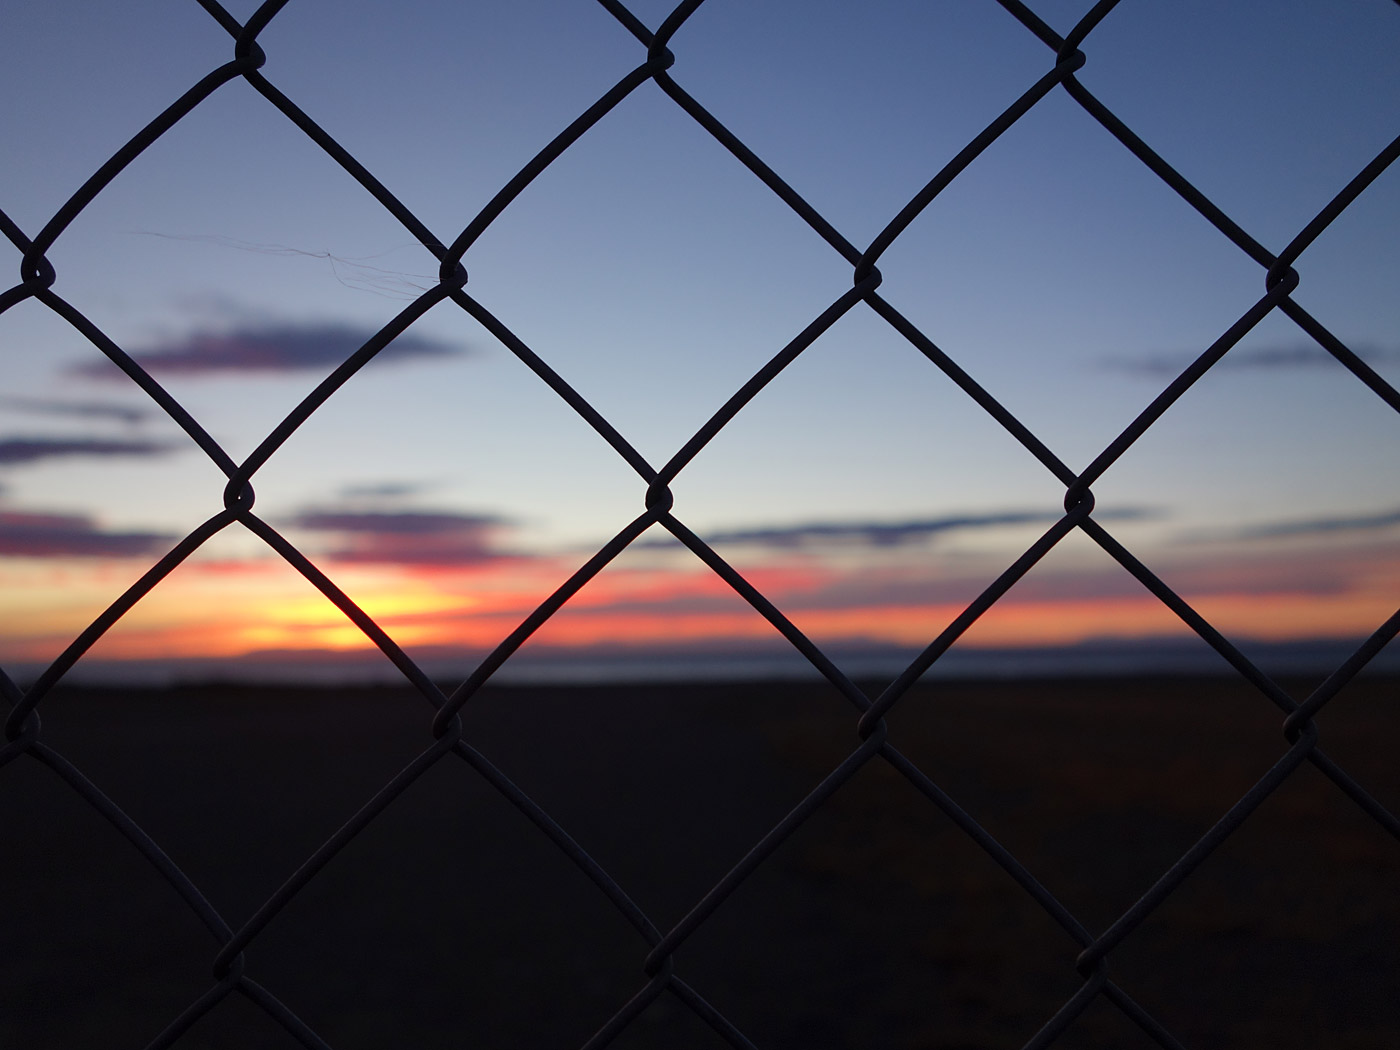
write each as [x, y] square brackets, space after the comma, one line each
[872, 740]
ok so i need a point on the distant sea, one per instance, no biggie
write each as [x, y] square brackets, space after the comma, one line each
[555, 666]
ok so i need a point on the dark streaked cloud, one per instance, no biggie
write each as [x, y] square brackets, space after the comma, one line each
[1264, 358]
[443, 538]
[27, 535]
[15, 450]
[269, 348]
[1373, 522]
[886, 533]
[872, 534]
[388, 490]
[48, 406]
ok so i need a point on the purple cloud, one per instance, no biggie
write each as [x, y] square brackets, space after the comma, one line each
[25, 535]
[268, 348]
[1387, 519]
[16, 450]
[873, 534]
[129, 414]
[442, 538]
[386, 490]
[887, 533]
[1272, 358]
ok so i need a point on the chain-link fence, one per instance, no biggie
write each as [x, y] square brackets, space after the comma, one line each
[875, 744]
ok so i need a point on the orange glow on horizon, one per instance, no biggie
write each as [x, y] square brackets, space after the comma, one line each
[316, 625]
[212, 612]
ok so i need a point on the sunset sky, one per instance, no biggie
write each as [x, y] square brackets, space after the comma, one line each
[448, 490]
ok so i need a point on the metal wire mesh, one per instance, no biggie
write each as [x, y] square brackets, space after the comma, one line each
[874, 741]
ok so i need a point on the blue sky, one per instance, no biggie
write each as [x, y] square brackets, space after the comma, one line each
[656, 274]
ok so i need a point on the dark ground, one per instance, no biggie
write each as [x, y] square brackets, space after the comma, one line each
[452, 922]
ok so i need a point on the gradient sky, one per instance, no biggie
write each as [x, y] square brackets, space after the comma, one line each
[448, 490]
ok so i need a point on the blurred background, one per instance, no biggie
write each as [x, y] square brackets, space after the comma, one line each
[448, 490]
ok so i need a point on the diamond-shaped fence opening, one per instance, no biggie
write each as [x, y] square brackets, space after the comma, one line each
[882, 798]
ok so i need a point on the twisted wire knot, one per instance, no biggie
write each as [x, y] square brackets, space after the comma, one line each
[659, 498]
[659, 59]
[1281, 272]
[24, 732]
[238, 495]
[36, 272]
[1079, 499]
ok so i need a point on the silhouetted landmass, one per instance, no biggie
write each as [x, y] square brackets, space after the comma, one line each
[452, 921]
